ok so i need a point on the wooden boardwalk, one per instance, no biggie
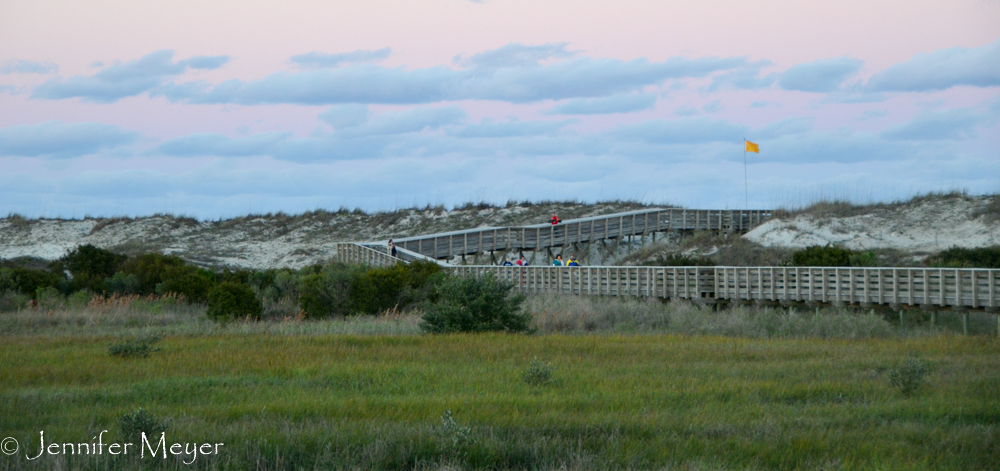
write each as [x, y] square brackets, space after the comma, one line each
[585, 230]
[897, 288]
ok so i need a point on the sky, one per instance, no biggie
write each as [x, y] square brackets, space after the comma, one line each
[226, 108]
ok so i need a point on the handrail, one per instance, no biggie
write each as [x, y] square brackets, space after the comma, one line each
[589, 229]
[929, 288]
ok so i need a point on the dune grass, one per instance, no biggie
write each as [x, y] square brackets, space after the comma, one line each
[613, 401]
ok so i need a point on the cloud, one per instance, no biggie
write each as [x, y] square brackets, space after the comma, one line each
[345, 116]
[411, 120]
[605, 105]
[784, 127]
[515, 55]
[764, 104]
[318, 60]
[125, 79]
[20, 66]
[8, 89]
[823, 75]
[62, 140]
[514, 128]
[685, 111]
[681, 131]
[220, 145]
[511, 75]
[747, 78]
[942, 69]
[946, 125]
[714, 106]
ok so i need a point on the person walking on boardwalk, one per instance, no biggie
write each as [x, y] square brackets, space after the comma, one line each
[571, 262]
[555, 219]
[522, 262]
[558, 261]
[392, 248]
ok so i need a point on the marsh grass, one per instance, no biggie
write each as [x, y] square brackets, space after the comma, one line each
[622, 401]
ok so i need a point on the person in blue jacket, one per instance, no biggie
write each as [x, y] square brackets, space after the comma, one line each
[558, 261]
[572, 261]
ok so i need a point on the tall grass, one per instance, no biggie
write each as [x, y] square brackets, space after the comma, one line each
[580, 314]
[613, 402]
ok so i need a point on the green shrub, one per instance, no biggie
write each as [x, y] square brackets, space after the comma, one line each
[134, 424]
[123, 283]
[678, 260]
[90, 265]
[984, 257]
[456, 438]
[13, 301]
[80, 299]
[909, 375]
[150, 269]
[228, 301]
[135, 347]
[467, 304]
[328, 293]
[28, 281]
[820, 256]
[49, 298]
[538, 374]
[193, 282]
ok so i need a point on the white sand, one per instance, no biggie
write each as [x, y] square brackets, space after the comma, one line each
[926, 227]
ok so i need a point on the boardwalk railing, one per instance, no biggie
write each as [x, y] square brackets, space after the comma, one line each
[662, 282]
[541, 236]
[358, 254]
[941, 288]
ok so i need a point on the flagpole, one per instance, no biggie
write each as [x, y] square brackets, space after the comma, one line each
[746, 190]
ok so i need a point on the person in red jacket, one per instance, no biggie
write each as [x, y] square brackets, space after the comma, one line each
[555, 219]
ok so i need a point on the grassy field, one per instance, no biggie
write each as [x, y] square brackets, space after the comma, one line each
[314, 395]
[634, 401]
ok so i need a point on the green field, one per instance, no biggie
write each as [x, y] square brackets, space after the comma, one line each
[635, 401]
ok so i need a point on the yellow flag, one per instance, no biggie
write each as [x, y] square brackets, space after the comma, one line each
[751, 147]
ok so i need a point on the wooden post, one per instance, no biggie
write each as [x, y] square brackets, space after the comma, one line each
[900, 316]
[933, 318]
[965, 322]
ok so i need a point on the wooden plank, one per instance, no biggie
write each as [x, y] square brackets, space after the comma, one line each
[974, 288]
[993, 296]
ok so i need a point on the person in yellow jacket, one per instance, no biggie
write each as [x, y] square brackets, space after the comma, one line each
[572, 262]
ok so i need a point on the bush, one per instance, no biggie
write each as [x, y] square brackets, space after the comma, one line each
[984, 257]
[139, 347]
[678, 260]
[349, 289]
[909, 375]
[229, 301]
[329, 292]
[49, 298]
[467, 304]
[90, 265]
[193, 282]
[820, 256]
[150, 269]
[538, 374]
[28, 281]
[13, 301]
[122, 283]
[134, 424]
